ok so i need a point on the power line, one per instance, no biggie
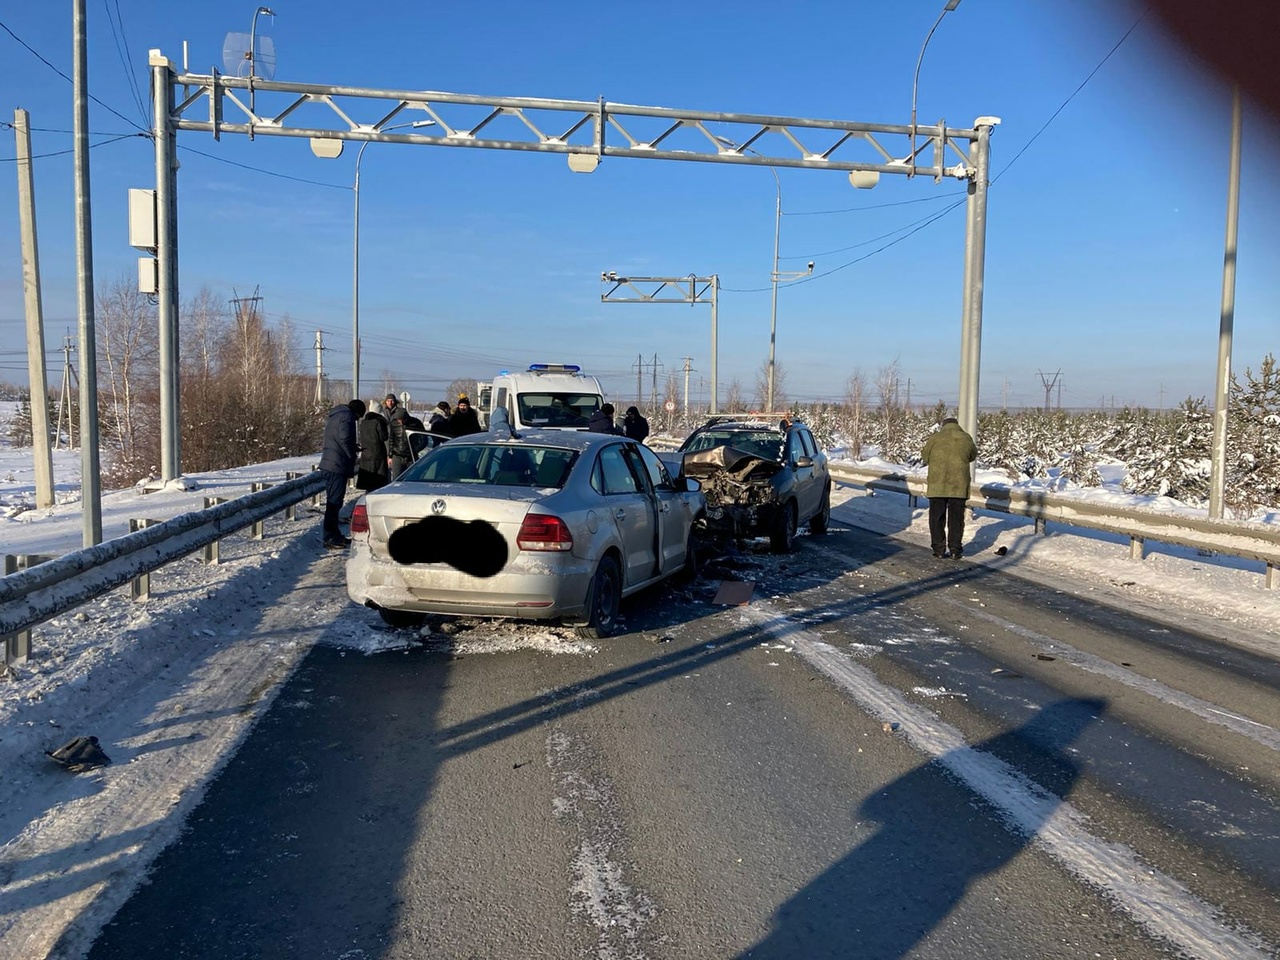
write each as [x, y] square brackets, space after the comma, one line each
[35, 53]
[1083, 82]
[874, 206]
[270, 173]
[120, 50]
[59, 153]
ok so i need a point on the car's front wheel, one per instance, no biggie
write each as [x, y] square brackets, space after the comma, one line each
[783, 537]
[402, 619]
[819, 522]
[604, 599]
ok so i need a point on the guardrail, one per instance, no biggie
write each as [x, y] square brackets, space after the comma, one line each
[1237, 538]
[1252, 541]
[33, 595]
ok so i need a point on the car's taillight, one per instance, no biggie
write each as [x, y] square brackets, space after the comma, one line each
[541, 531]
[360, 519]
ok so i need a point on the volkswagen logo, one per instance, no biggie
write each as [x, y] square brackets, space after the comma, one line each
[437, 507]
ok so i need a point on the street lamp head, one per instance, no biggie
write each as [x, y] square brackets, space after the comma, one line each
[811, 266]
[268, 12]
[951, 5]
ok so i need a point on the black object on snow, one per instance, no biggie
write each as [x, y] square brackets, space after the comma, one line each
[79, 755]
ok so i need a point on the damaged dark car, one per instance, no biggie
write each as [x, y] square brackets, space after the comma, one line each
[759, 480]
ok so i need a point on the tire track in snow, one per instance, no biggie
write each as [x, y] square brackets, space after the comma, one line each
[599, 891]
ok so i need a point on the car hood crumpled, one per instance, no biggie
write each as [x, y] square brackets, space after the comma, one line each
[738, 464]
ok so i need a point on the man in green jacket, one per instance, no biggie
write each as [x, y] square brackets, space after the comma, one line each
[948, 454]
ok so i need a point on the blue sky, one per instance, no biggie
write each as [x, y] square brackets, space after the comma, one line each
[1105, 237]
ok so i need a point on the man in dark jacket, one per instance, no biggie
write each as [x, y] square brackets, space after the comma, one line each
[439, 422]
[948, 454]
[464, 420]
[635, 426]
[602, 420]
[338, 464]
[397, 442]
[372, 469]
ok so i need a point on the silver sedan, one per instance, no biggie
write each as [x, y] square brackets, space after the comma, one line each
[556, 525]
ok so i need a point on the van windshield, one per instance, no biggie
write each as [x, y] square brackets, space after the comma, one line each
[558, 409]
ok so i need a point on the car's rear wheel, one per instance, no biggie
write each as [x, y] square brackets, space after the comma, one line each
[402, 619]
[819, 522]
[689, 572]
[783, 537]
[604, 598]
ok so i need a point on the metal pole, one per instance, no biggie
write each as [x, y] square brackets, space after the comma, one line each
[167, 263]
[715, 317]
[1217, 476]
[915, 81]
[773, 316]
[90, 472]
[355, 285]
[975, 264]
[35, 314]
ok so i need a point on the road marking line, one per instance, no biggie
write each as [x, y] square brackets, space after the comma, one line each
[1160, 904]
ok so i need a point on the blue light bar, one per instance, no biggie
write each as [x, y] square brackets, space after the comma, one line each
[554, 368]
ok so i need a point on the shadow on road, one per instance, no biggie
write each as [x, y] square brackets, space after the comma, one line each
[884, 897]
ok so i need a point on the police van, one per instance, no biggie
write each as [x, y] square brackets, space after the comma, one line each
[556, 396]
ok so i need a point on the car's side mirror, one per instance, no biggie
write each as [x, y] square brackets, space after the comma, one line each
[804, 461]
[685, 484]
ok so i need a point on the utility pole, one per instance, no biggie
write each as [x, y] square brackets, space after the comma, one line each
[1004, 396]
[653, 401]
[1059, 395]
[639, 365]
[319, 368]
[90, 468]
[687, 368]
[39, 388]
[64, 395]
[1048, 387]
[1226, 318]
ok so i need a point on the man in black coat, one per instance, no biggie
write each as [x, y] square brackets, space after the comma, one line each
[439, 422]
[464, 420]
[372, 468]
[635, 426]
[338, 465]
[602, 420]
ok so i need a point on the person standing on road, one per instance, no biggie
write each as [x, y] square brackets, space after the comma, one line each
[397, 442]
[338, 465]
[464, 420]
[602, 420]
[635, 426]
[948, 453]
[439, 422]
[372, 470]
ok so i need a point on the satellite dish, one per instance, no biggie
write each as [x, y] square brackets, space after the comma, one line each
[236, 58]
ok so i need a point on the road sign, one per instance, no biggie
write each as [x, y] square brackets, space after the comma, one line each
[671, 406]
[404, 397]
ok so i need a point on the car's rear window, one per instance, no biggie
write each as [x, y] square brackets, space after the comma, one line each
[500, 465]
[758, 443]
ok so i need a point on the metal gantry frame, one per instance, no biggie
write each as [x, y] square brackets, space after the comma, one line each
[584, 131]
[690, 289]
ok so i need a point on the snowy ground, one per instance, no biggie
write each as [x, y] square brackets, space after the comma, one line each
[171, 686]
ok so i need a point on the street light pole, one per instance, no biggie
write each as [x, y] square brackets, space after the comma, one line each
[915, 83]
[253, 31]
[355, 270]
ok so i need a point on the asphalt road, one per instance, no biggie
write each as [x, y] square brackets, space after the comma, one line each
[882, 756]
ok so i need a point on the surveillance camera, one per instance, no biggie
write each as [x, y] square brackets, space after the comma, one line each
[604, 277]
[811, 266]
